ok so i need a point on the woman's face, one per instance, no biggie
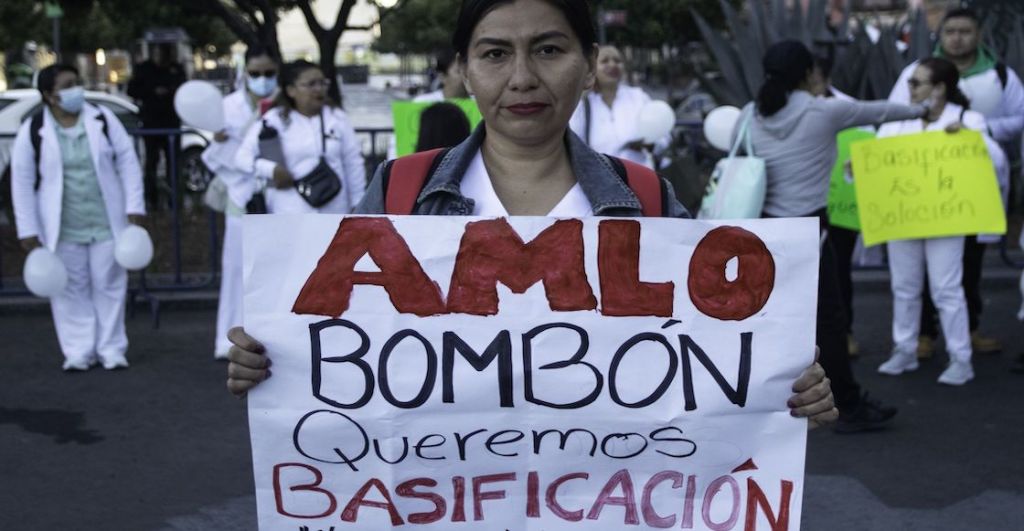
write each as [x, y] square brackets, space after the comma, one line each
[922, 88]
[309, 91]
[261, 66]
[525, 67]
[609, 66]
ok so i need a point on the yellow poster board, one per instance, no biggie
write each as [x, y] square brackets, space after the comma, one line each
[926, 185]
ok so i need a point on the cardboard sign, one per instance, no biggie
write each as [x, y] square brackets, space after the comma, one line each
[926, 185]
[529, 373]
[406, 116]
[842, 197]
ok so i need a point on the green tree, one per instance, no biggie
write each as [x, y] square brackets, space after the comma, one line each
[420, 27]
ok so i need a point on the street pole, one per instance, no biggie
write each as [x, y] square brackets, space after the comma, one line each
[602, 31]
[54, 13]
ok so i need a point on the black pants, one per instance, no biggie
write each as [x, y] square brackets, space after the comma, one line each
[833, 326]
[974, 255]
[155, 146]
[844, 241]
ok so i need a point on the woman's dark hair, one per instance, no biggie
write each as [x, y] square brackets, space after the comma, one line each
[961, 12]
[786, 65]
[577, 12]
[944, 72]
[253, 52]
[47, 77]
[444, 61]
[289, 74]
[442, 125]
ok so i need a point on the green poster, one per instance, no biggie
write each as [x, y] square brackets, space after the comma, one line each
[407, 121]
[842, 197]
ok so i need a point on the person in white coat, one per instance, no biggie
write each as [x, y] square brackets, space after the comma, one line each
[241, 111]
[309, 129]
[606, 117]
[996, 92]
[934, 80]
[74, 197]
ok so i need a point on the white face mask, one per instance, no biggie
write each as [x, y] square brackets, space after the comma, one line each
[72, 99]
[262, 86]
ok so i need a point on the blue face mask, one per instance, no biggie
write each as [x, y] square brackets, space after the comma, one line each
[72, 99]
[262, 86]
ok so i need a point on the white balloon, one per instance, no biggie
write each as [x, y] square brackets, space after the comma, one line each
[655, 121]
[200, 104]
[718, 126]
[133, 249]
[44, 273]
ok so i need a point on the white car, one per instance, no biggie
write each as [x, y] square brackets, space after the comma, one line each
[19, 105]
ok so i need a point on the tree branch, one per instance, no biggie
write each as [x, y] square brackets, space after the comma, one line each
[340, 22]
[311, 21]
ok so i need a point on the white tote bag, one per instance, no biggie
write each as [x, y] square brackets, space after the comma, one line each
[738, 185]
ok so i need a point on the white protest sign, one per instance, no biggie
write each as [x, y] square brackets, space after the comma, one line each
[529, 373]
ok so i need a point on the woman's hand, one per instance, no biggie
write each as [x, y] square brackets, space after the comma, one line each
[283, 179]
[136, 219]
[813, 398]
[954, 127]
[30, 243]
[220, 137]
[248, 365]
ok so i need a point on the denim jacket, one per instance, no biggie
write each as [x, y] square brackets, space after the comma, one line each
[608, 193]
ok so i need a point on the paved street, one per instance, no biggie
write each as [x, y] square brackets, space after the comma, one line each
[162, 446]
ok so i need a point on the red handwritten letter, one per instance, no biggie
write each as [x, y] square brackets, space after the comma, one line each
[618, 260]
[329, 287]
[492, 252]
[712, 293]
[309, 487]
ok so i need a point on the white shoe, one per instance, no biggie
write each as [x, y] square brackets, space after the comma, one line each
[78, 365]
[899, 363]
[115, 363]
[958, 373]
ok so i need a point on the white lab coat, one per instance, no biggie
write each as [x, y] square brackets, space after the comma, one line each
[89, 314]
[219, 157]
[37, 212]
[301, 144]
[940, 258]
[611, 128]
[239, 116]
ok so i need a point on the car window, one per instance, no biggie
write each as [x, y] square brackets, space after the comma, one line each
[129, 119]
[5, 102]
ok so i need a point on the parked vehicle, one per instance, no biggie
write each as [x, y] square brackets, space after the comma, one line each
[19, 105]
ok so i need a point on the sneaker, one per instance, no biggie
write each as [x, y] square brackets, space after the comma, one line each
[867, 415]
[958, 373]
[115, 364]
[78, 365]
[898, 364]
[1018, 366]
[925, 347]
[852, 346]
[985, 345]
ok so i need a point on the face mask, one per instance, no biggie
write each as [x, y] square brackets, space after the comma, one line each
[262, 86]
[72, 99]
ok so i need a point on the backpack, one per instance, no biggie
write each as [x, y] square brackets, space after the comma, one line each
[37, 139]
[403, 180]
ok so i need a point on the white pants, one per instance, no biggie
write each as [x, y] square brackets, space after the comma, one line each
[89, 313]
[229, 307]
[943, 260]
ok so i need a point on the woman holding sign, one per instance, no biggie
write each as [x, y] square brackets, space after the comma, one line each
[933, 82]
[527, 62]
[305, 148]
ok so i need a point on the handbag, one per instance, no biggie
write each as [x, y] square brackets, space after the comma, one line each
[322, 184]
[216, 195]
[738, 185]
[257, 203]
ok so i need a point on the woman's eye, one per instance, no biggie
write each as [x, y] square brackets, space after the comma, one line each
[548, 50]
[494, 54]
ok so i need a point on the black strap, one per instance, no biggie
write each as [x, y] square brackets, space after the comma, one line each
[586, 116]
[1002, 73]
[323, 137]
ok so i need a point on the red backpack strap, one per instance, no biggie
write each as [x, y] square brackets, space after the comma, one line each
[646, 184]
[406, 179]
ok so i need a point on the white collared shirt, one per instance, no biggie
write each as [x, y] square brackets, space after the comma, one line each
[476, 185]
